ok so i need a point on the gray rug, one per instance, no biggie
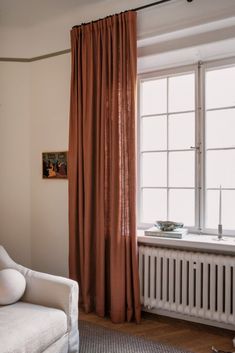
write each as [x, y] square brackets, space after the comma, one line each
[97, 339]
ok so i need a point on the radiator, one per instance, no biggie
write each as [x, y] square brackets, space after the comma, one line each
[192, 284]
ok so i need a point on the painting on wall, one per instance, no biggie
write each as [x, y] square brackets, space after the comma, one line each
[54, 165]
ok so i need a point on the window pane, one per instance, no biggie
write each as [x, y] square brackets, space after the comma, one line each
[220, 169]
[228, 209]
[154, 169]
[154, 97]
[182, 169]
[182, 206]
[153, 205]
[181, 93]
[220, 127]
[154, 133]
[212, 209]
[220, 88]
[181, 131]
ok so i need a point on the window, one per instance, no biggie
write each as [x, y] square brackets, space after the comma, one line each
[220, 146]
[186, 152]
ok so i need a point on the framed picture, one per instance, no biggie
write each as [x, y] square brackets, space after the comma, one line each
[54, 165]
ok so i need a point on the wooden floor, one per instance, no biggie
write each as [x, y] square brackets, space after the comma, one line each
[193, 337]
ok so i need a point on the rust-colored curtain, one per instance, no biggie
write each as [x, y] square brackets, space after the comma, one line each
[102, 181]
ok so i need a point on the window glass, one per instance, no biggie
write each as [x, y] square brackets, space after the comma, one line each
[220, 88]
[182, 206]
[181, 93]
[220, 128]
[227, 207]
[154, 133]
[154, 97]
[154, 205]
[173, 133]
[220, 146]
[181, 131]
[154, 169]
[170, 169]
[181, 169]
[220, 169]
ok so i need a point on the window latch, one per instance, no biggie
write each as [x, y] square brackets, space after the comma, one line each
[196, 148]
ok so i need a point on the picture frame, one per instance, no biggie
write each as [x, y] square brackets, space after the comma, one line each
[55, 165]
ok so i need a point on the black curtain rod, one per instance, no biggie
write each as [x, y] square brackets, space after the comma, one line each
[150, 5]
[136, 9]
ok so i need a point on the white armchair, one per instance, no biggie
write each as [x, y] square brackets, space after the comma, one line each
[46, 318]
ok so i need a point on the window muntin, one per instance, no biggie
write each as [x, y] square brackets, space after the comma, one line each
[220, 146]
[167, 159]
[211, 127]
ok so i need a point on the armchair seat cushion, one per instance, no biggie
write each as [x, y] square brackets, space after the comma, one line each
[30, 328]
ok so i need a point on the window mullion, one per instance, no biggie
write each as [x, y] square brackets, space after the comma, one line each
[167, 146]
[202, 154]
[197, 149]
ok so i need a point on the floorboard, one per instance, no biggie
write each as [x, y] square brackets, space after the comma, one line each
[193, 337]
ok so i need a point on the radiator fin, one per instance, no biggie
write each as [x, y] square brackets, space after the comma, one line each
[190, 283]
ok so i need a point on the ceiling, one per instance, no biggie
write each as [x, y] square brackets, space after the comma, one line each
[22, 13]
[31, 28]
[27, 13]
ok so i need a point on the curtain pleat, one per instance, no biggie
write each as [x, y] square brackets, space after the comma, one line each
[102, 167]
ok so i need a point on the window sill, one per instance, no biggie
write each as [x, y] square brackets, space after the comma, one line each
[194, 242]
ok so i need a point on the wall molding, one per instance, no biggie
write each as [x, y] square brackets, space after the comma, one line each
[36, 58]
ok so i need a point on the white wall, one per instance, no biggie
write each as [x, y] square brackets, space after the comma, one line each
[50, 92]
[34, 118]
[15, 160]
[34, 110]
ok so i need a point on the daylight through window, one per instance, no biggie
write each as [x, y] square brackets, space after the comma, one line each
[187, 147]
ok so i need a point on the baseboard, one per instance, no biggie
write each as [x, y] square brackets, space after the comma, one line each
[189, 318]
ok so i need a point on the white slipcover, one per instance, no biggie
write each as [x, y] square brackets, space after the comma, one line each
[30, 328]
[51, 292]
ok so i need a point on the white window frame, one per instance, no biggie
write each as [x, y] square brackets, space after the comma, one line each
[200, 195]
[207, 66]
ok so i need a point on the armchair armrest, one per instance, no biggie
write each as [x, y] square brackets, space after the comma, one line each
[56, 292]
[51, 291]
